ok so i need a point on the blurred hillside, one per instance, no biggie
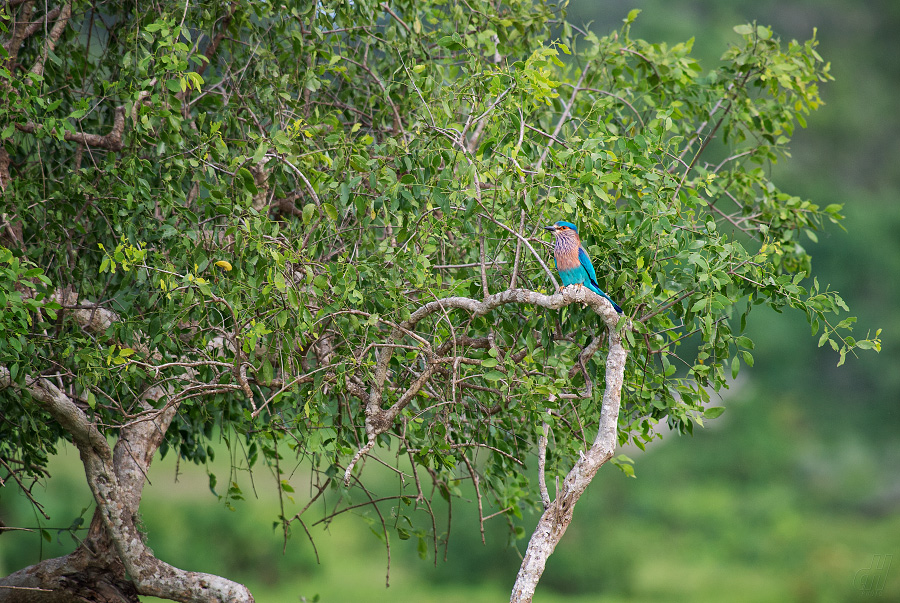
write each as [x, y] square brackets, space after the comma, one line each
[787, 497]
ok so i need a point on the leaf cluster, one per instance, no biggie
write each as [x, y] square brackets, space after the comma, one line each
[297, 180]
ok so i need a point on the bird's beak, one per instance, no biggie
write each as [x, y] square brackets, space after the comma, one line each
[550, 228]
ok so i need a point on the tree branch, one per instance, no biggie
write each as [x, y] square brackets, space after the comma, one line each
[379, 420]
[19, 32]
[150, 575]
[116, 478]
[515, 272]
[558, 516]
[52, 38]
[111, 141]
[542, 461]
[36, 25]
[481, 252]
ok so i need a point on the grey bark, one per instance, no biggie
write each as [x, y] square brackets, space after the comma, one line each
[113, 564]
[557, 517]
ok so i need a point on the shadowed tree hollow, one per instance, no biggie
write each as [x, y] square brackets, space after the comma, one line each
[314, 232]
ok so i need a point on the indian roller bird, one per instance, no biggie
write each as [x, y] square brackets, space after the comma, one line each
[572, 261]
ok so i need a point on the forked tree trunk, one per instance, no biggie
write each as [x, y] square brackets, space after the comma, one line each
[113, 565]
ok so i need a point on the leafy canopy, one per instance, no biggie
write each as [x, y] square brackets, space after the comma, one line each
[296, 179]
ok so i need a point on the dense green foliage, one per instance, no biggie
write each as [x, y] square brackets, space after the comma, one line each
[279, 207]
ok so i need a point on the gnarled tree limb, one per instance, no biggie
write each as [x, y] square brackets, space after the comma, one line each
[52, 38]
[558, 516]
[380, 420]
[111, 141]
[109, 475]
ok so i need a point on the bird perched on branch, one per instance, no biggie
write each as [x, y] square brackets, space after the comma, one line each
[572, 261]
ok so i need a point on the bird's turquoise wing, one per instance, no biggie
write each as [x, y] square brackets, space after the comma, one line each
[588, 266]
[591, 282]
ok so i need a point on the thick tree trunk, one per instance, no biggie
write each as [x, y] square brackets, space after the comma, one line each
[113, 564]
[90, 573]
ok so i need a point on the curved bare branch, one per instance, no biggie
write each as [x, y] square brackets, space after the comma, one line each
[379, 420]
[558, 516]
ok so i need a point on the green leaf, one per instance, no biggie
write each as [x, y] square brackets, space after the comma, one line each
[744, 342]
[494, 376]
[330, 211]
[450, 43]
[308, 211]
[249, 182]
[260, 151]
[713, 412]
[626, 469]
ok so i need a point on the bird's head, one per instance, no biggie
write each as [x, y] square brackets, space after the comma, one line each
[562, 228]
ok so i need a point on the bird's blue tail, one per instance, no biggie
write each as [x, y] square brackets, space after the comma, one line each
[602, 293]
[614, 304]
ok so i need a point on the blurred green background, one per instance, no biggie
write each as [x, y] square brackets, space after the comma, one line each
[790, 496]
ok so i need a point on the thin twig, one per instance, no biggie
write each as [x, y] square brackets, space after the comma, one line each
[484, 282]
[647, 317]
[470, 265]
[527, 244]
[542, 460]
[618, 98]
[515, 273]
[477, 495]
[565, 115]
[385, 6]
